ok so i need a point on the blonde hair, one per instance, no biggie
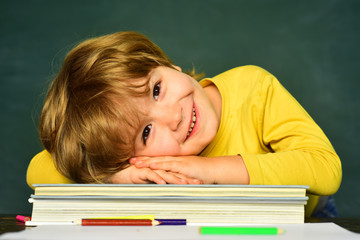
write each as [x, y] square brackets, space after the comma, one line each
[88, 119]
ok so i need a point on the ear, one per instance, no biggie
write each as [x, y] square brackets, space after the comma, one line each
[177, 68]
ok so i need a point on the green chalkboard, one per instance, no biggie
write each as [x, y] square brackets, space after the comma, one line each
[311, 46]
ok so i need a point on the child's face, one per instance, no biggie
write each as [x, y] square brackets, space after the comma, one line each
[179, 118]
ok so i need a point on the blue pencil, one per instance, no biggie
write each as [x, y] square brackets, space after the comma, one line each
[172, 221]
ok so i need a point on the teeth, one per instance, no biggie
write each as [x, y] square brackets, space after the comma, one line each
[193, 122]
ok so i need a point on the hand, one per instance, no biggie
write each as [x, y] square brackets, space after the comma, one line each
[210, 170]
[191, 166]
[133, 175]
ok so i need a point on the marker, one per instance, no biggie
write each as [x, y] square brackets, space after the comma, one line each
[240, 231]
[118, 222]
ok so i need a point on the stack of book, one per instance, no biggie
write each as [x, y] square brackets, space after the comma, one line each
[214, 204]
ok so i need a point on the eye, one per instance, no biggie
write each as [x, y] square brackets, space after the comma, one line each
[156, 91]
[146, 133]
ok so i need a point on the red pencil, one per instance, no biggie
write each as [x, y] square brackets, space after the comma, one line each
[119, 222]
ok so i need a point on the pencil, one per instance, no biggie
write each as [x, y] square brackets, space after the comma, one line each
[33, 223]
[172, 221]
[240, 230]
[119, 222]
[148, 217]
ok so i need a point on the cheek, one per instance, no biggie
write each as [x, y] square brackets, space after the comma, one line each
[166, 148]
[162, 147]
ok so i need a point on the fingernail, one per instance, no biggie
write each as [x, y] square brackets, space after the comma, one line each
[138, 162]
[196, 181]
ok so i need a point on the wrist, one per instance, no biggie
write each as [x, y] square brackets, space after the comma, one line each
[230, 170]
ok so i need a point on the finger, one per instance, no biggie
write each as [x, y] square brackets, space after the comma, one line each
[176, 168]
[172, 178]
[134, 160]
[195, 181]
[152, 176]
[144, 162]
[189, 180]
[171, 166]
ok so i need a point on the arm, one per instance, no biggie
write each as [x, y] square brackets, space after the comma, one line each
[299, 151]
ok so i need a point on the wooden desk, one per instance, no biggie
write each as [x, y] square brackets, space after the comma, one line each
[8, 223]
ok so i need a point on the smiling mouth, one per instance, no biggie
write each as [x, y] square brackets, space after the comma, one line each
[193, 121]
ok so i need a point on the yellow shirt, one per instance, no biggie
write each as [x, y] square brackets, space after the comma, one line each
[262, 122]
[42, 170]
[278, 140]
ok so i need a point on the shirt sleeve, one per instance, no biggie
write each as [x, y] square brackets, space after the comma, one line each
[299, 151]
[41, 170]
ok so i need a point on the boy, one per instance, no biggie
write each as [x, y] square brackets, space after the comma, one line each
[119, 111]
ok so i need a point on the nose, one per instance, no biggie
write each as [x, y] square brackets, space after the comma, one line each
[170, 116]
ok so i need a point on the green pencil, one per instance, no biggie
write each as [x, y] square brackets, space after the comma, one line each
[240, 230]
